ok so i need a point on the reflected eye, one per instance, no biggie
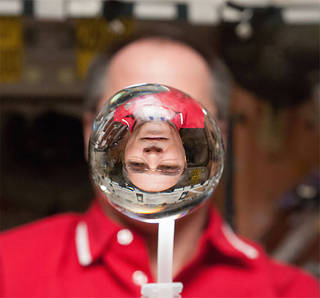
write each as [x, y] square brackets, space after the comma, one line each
[141, 167]
[138, 167]
[169, 169]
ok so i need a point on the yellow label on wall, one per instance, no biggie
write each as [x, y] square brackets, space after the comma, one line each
[91, 36]
[11, 47]
[195, 176]
[84, 58]
[96, 35]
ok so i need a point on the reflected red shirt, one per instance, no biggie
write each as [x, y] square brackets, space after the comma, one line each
[87, 255]
[176, 106]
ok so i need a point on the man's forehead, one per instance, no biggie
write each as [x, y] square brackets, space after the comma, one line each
[156, 61]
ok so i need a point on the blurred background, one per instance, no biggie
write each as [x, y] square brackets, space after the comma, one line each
[270, 189]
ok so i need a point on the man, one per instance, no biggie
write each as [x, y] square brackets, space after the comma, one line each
[106, 254]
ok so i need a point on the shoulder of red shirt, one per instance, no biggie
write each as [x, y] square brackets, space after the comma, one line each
[43, 239]
[45, 228]
[43, 244]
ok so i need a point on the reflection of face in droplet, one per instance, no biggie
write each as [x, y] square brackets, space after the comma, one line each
[161, 141]
[154, 156]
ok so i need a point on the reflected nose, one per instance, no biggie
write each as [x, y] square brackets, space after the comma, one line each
[152, 149]
[152, 155]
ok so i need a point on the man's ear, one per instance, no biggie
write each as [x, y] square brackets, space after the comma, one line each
[87, 122]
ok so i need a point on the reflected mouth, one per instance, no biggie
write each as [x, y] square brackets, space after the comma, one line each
[151, 139]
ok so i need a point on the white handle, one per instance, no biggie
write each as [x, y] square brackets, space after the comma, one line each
[164, 288]
[165, 250]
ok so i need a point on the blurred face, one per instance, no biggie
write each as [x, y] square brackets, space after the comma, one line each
[154, 156]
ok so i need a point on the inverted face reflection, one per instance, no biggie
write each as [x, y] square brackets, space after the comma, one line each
[163, 143]
[154, 156]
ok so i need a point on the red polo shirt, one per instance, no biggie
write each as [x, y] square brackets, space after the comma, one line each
[188, 113]
[75, 255]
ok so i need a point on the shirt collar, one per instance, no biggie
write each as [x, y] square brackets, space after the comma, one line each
[220, 235]
[95, 232]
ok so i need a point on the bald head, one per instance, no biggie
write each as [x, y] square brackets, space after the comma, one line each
[156, 60]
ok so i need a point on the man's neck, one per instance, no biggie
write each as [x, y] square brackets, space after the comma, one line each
[186, 238]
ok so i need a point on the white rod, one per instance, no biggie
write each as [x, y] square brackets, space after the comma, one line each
[165, 250]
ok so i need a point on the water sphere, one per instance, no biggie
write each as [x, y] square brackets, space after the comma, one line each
[155, 152]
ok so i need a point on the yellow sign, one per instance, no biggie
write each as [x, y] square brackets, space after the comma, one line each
[96, 35]
[195, 176]
[10, 49]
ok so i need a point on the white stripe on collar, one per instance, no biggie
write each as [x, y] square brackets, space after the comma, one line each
[181, 119]
[249, 251]
[82, 244]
